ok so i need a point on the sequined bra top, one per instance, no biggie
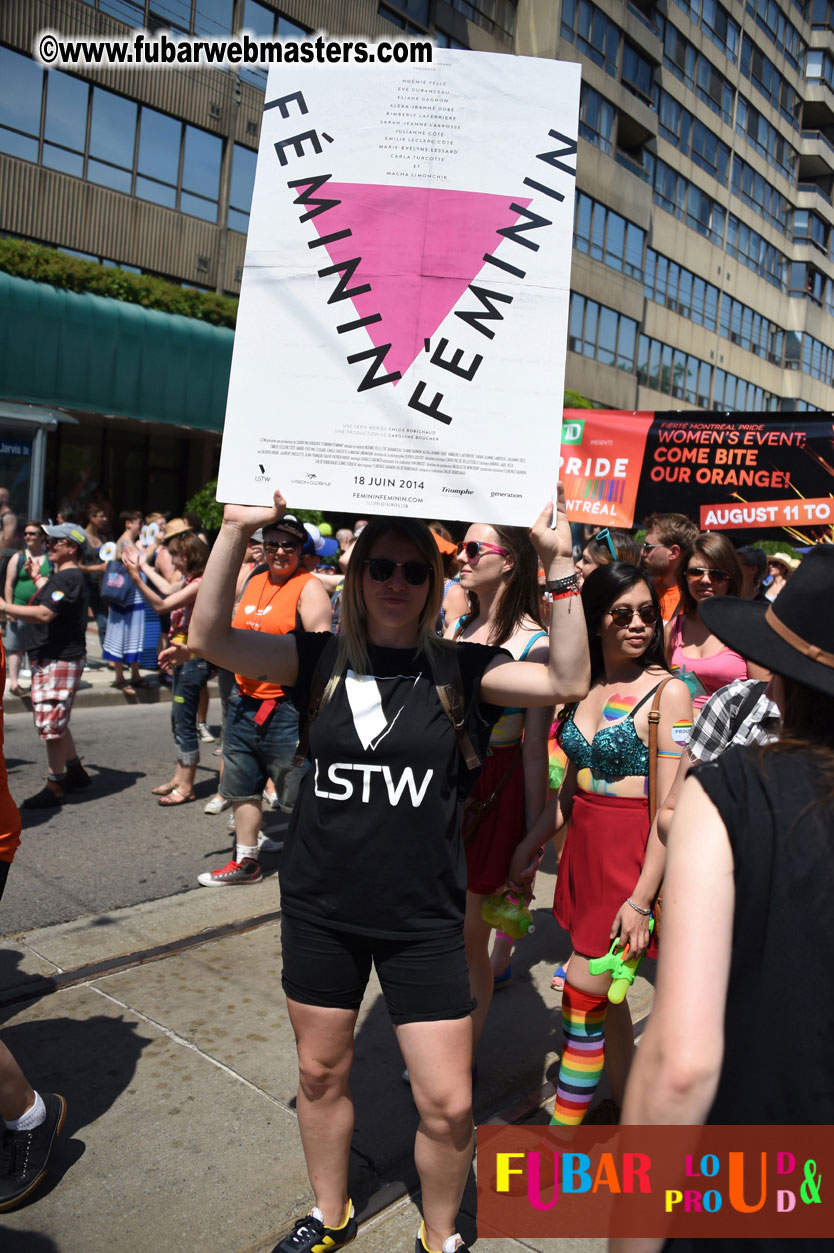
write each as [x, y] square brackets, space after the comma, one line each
[614, 751]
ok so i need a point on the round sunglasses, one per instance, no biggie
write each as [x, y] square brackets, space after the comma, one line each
[381, 569]
[473, 549]
[623, 615]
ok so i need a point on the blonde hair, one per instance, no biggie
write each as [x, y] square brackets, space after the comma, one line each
[352, 652]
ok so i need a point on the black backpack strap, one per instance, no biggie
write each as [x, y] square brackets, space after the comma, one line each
[259, 569]
[445, 667]
[320, 678]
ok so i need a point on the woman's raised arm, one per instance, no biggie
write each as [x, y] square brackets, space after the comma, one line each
[267, 658]
[567, 676]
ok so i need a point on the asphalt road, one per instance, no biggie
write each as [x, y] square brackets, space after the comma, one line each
[113, 845]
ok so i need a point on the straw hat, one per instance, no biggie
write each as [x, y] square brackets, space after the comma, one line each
[177, 526]
[785, 559]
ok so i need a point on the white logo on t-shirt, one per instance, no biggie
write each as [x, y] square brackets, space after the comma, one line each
[338, 776]
[365, 700]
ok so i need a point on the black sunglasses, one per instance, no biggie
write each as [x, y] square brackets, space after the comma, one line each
[272, 545]
[623, 615]
[715, 576]
[381, 569]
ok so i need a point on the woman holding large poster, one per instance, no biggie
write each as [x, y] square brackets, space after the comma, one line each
[374, 871]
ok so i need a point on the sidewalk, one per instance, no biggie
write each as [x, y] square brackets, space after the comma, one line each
[97, 685]
[164, 1027]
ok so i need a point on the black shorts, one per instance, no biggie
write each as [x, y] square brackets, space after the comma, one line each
[423, 980]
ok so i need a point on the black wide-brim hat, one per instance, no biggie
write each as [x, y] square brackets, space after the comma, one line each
[793, 636]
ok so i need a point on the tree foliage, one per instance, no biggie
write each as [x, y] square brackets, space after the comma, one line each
[46, 265]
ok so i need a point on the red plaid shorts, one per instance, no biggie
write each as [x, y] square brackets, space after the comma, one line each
[54, 684]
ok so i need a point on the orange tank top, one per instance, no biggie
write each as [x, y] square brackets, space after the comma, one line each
[270, 607]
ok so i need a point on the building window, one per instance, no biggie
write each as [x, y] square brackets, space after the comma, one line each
[758, 191]
[780, 31]
[692, 138]
[808, 228]
[673, 372]
[398, 18]
[586, 26]
[240, 189]
[94, 134]
[767, 79]
[637, 73]
[601, 333]
[807, 281]
[596, 119]
[765, 138]
[680, 290]
[751, 330]
[608, 237]
[158, 163]
[65, 123]
[213, 17]
[678, 196]
[112, 138]
[732, 393]
[496, 16]
[266, 24]
[202, 155]
[756, 253]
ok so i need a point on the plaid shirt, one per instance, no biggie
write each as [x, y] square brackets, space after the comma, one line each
[716, 729]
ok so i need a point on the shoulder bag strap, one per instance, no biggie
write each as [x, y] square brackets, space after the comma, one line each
[449, 687]
[654, 720]
[319, 681]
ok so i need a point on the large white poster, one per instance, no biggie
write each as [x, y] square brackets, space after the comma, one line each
[400, 344]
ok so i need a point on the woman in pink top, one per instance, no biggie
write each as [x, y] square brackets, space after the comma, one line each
[695, 654]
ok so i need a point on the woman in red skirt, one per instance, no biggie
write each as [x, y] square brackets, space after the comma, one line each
[612, 864]
[499, 572]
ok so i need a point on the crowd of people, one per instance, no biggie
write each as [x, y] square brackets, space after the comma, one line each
[431, 713]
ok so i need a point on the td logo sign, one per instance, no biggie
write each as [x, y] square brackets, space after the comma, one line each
[572, 431]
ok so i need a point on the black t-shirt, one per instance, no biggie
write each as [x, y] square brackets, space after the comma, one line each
[65, 637]
[783, 941]
[374, 842]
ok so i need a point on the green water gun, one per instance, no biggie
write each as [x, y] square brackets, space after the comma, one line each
[508, 913]
[619, 965]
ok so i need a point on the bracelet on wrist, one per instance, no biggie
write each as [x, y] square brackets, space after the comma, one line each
[551, 596]
[647, 913]
[569, 583]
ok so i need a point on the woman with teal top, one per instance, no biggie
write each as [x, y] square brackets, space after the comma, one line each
[612, 864]
[20, 588]
[499, 572]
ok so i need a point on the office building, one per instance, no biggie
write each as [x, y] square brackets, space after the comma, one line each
[702, 273]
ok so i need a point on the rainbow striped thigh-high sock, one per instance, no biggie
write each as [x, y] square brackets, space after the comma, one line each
[583, 1053]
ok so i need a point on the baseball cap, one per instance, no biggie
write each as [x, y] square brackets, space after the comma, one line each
[318, 543]
[289, 523]
[67, 530]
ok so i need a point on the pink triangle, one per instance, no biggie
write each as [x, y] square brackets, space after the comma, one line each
[421, 247]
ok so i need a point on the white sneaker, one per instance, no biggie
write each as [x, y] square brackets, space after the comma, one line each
[217, 805]
[204, 734]
[231, 821]
[270, 799]
[266, 845]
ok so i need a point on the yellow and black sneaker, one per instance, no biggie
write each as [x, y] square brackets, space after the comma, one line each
[311, 1236]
